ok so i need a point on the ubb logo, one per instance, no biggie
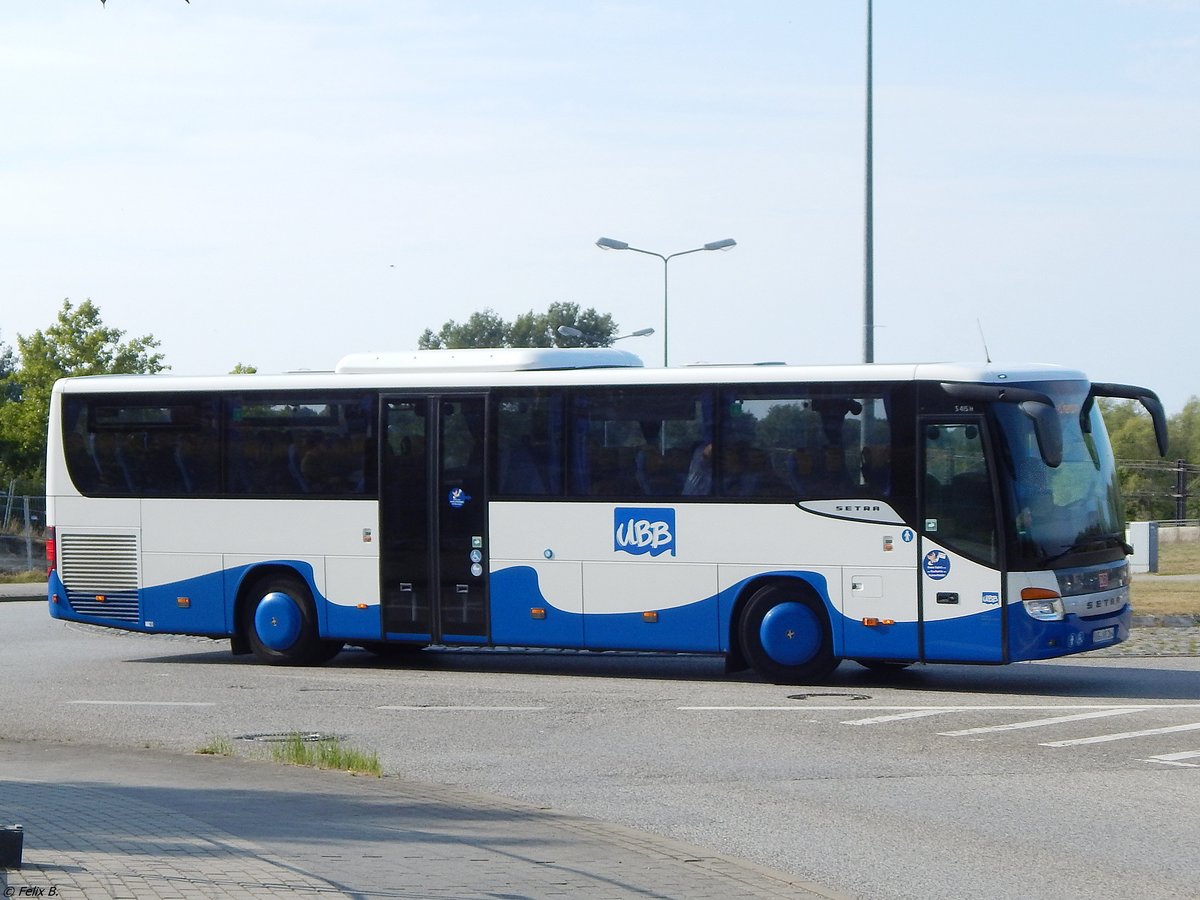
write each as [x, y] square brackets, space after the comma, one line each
[639, 531]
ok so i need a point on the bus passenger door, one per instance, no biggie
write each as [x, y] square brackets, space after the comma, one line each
[432, 519]
[961, 582]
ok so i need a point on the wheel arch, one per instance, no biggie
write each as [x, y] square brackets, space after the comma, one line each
[810, 584]
[255, 575]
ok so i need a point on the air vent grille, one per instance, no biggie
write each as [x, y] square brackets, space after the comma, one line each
[100, 572]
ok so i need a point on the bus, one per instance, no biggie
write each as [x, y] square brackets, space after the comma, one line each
[784, 518]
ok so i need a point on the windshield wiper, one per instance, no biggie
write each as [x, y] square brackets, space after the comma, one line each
[1095, 543]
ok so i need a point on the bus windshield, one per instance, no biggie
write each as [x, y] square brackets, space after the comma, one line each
[1068, 515]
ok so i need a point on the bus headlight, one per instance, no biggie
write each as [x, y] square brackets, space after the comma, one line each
[1047, 606]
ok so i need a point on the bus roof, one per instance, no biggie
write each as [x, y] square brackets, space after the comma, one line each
[463, 369]
[506, 359]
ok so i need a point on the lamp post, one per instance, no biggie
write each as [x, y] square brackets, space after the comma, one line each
[610, 244]
[572, 332]
[869, 219]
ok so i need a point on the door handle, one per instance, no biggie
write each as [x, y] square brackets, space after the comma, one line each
[947, 597]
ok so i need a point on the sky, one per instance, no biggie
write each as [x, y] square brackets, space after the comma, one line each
[279, 183]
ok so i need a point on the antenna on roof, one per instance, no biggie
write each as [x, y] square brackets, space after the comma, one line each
[983, 337]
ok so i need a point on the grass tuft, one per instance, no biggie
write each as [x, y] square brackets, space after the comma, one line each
[217, 746]
[327, 753]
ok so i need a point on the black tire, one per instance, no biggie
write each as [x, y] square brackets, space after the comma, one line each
[280, 622]
[785, 635]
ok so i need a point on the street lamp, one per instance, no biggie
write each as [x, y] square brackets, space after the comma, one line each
[572, 332]
[610, 244]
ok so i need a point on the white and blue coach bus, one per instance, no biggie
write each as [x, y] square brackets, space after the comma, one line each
[783, 517]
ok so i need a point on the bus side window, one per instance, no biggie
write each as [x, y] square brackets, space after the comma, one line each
[528, 442]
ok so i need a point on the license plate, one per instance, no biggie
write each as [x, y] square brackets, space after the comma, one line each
[1103, 635]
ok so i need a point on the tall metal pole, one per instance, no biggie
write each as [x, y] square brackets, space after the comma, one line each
[666, 318]
[869, 236]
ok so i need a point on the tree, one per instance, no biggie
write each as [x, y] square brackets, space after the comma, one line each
[487, 328]
[243, 369]
[1149, 484]
[484, 329]
[78, 343]
[8, 365]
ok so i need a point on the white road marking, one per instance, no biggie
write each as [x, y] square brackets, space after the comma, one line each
[1125, 735]
[464, 708]
[800, 707]
[1038, 723]
[1176, 759]
[913, 714]
[137, 703]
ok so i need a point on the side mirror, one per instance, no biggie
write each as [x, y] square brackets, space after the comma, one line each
[1144, 396]
[1048, 430]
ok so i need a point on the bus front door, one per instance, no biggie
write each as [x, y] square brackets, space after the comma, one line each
[961, 581]
[432, 519]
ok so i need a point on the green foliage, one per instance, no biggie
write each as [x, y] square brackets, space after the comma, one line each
[8, 365]
[1148, 483]
[487, 328]
[77, 343]
[243, 369]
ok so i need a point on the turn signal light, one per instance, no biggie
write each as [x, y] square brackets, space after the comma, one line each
[1038, 594]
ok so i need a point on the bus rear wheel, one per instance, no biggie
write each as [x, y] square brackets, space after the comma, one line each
[785, 635]
[281, 624]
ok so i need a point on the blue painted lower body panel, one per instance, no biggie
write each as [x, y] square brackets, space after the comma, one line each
[1030, 638]
[515, 592]
[522, 616]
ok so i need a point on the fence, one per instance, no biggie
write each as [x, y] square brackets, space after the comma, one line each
[22, 532]
[1159, 489]
[1178, 531]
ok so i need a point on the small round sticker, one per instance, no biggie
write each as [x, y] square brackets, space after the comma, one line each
[936, 564]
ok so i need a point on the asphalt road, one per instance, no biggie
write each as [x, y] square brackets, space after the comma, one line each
[1071, 778]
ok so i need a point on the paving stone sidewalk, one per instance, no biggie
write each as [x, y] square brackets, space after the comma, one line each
[104, 823]
[1156, 640]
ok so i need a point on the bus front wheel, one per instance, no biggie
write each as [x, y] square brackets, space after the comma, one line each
[785, 635]
[281, 624]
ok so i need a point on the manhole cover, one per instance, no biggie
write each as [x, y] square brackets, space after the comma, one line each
[306, 737]
[843, 696]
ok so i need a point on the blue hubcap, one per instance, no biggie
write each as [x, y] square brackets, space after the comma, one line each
[278, 620]
[790, 633]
